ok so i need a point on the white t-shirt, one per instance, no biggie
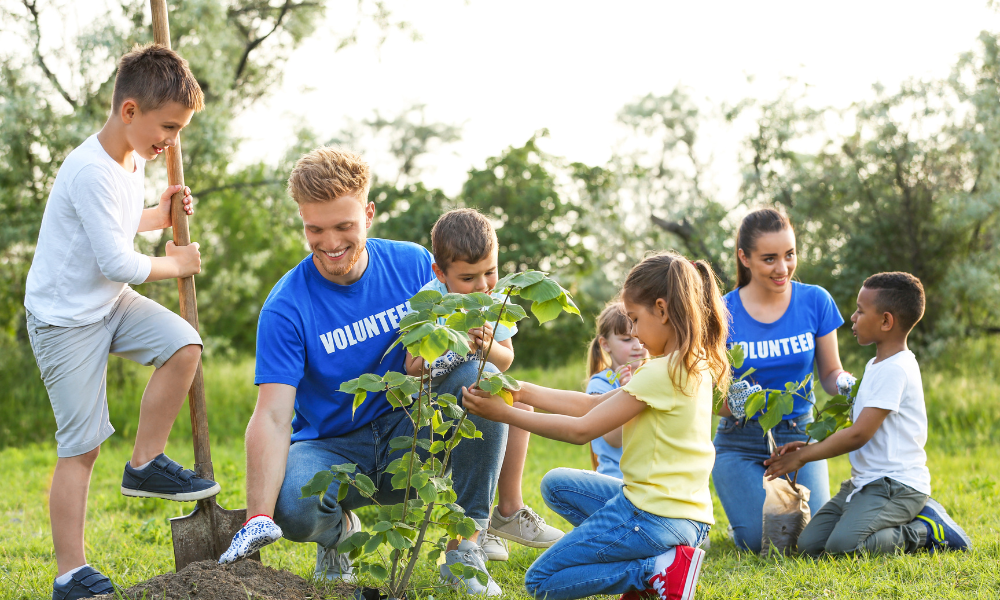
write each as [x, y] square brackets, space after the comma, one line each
[85, 253]
[896, 450]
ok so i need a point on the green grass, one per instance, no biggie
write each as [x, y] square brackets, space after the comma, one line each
[130, 538]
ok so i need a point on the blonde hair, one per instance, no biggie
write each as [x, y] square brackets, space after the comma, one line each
[462, 234]
[326, 174]
[153, 75]
[611, 321]
[695, 310]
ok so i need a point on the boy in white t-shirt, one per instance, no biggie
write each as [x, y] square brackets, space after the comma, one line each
[80, 309]
[885, 506]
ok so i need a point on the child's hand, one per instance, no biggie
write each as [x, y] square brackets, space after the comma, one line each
[784, 460]
[188, 258]
[483, 404]
[164, 206]
[481, 336]
[624, 374]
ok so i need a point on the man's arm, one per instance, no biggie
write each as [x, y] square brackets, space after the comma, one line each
[268, 437]
[793, 456]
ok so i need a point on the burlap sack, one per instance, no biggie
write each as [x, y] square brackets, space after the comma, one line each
[786, 513]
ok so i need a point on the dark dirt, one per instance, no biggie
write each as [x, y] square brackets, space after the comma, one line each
[242, 580]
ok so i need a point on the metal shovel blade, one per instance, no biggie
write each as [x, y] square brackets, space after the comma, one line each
[205, 533]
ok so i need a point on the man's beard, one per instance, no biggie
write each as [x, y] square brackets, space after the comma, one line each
[345, 268]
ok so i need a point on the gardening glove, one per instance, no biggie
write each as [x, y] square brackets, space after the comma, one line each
[845, 382]
[254, 535]
[737, 398]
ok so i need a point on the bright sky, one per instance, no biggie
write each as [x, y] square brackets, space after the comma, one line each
[503, 70]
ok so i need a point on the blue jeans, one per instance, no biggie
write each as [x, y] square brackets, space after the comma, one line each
[613, 546]
[475, 469]
[740, 452]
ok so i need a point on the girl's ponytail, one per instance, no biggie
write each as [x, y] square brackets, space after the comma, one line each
[716, 325]
[596, 361]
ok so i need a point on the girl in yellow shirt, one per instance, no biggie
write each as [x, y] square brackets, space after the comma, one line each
[639, 534]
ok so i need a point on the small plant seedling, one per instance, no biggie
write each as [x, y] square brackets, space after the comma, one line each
[437, 323]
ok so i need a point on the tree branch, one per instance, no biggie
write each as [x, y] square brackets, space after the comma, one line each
[236, 186]
[252, 44]
[694, 243]
[33, 9]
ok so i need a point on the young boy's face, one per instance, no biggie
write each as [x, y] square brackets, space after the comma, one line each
[465, 278]
[869, 325]
[151, 132]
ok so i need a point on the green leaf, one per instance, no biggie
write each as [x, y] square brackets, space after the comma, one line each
[434, 345]
[457, 569]
[396, 398]
[546, 311]
[526, 278]
[491, 383]
[371, 382]
[482, 578]
[357, 540]
[771, 416]
[736, 357]
[785, 404]
[399, 480]
[755, 402]
[747, 373]
[568, 305]
[318, 485]
[466, 527]
[415, 318]
[344, 468]
[359, 398]
[373, 543]
[378, 572]
[349, 387]
[476, 301]
[546, 289]
[382, 526]
[437, 446]
[509, 382]
[425, 300]
[398, 443]
[342, 491]
[513, 312]
[428, 492]
[417, 334]
[397, 541]
[394, 379]
[365, 484]
[822, 429]
[419, 479]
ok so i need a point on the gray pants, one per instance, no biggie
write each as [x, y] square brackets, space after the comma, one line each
[878, 519]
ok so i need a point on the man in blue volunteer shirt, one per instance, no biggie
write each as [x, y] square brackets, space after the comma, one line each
[328, 320]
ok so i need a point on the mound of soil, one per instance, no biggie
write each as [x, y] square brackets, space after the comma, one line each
[242, 580]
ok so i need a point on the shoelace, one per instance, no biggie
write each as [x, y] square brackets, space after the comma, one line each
[659, 583]
[532, 517]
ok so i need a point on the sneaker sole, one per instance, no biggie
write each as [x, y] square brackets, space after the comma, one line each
[498, 557]
[522, 541]
[691, 583]
[185, 497]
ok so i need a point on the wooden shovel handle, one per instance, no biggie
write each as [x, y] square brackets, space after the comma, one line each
[185, 285]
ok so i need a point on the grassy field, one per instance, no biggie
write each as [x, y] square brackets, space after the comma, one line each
[130, 538]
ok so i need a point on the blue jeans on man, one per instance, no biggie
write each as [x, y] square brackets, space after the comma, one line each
[475, 469]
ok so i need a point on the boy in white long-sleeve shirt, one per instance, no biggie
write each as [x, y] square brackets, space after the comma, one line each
[80, 308]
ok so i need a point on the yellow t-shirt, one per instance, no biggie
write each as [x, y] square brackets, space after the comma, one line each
[668, 454]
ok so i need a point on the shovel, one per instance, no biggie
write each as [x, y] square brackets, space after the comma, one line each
[205, 533]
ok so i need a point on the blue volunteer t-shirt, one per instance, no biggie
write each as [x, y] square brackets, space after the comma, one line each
[314, 334]
[609, 458]
[784, 351]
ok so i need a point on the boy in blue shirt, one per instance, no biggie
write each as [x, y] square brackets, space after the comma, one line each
[466, 254]
[80, 309]
[885, 506]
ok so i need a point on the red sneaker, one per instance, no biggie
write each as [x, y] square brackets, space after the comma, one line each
[648, 593]
[679, 580]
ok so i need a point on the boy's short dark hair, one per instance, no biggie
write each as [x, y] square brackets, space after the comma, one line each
[899, 294]
[153, 75]
[463, 234]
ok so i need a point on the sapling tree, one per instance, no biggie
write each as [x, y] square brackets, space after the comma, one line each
[437, 323]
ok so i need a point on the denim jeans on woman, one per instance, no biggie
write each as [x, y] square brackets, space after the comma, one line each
[614, 544]
[738, 475]
[475, 468]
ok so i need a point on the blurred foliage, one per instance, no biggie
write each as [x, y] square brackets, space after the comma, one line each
[913, 186]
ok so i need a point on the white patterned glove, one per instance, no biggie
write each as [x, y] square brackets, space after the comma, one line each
[737, 398]
[845, 382]
[254, 535]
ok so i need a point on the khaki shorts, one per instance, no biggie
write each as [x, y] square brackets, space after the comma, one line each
[74, 363]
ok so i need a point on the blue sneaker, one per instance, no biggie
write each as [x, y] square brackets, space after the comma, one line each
[942, 531]
[85, 583]
[164, 478]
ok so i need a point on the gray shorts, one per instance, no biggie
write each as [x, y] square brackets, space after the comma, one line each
[74, 363]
